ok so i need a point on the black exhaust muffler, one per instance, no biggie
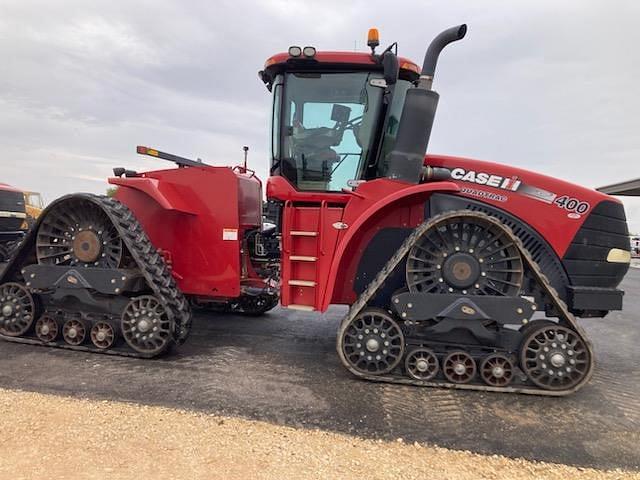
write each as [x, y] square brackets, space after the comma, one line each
[406, 160]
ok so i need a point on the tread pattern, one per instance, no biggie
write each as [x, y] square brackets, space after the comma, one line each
[147, 258]
[564, 315]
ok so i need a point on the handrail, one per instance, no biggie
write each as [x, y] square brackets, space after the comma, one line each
[323, 207]
[286, 239]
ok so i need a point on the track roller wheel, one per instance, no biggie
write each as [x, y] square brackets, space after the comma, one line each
[74, 332]
[497, 370]
[373, 342]
[459, 367]
[554, 357]
[46, 328]
[421, 364]
[146, 326]
[103, 335]
[17, 309]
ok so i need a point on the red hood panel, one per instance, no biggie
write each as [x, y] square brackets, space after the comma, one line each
[555, 208]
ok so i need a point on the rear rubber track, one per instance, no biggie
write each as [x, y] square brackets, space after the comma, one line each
[150, 263]
[564, 315]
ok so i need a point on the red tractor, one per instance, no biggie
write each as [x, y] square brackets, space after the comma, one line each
[458, 273]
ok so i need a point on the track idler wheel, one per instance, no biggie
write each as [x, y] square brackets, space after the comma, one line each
[421, 364]
[103, 335]
[74, 332]
[17, 309]
[46, 328]
[373, 342]
[497, 370]
[459, 367]
[554, 357]
[146, 326]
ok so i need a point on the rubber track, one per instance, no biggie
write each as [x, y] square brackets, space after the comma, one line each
[151, 265]
[563, 312]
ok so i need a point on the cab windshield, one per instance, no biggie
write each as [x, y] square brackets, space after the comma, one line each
[324, 127]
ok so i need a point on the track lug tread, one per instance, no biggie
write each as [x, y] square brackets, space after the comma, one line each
[152, 266]
[564, 314]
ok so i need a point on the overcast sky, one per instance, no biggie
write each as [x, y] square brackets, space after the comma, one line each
[546, 85]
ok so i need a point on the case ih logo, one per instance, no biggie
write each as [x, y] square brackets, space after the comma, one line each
[480, 178]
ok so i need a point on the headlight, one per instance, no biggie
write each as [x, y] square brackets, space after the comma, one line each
[617, 255]
[309, 52]
[295, 51]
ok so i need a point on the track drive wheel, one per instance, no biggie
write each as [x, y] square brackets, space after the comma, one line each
[78, 232]
[17, 309]
[459, 367]
[373, 342]
[554, 357]
[421, 364]
[465, 254]
[146, 325]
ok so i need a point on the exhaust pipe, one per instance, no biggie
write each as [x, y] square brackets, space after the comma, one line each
[450, 35]
[406, 160]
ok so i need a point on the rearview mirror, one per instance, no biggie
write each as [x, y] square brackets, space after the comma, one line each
[390, 67]
[340, 113]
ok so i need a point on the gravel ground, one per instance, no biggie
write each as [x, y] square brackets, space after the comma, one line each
[47, 436]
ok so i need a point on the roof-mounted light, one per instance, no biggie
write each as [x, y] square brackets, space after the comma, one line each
[373, 39]
[295, 51]
[309, 52]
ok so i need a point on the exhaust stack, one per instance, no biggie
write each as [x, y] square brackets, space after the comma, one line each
[406, 160]
[450, 35]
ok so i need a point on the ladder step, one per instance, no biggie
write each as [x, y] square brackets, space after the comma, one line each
[304, 308]
[302, 283]
[298, 233]
[302, 258]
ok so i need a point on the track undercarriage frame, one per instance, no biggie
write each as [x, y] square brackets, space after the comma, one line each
[542, 357]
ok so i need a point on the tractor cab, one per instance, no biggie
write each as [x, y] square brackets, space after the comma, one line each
[335, 114]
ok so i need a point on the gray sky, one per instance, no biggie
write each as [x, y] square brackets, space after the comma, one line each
[544, 85]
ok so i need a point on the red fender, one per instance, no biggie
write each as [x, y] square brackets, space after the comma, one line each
[383, 203]
[163, 193]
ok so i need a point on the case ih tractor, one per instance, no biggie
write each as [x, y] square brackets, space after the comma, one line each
[458, 273]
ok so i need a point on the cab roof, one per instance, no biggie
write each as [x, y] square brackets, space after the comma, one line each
[336, 60]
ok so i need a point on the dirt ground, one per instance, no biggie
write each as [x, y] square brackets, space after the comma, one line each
[47, 436]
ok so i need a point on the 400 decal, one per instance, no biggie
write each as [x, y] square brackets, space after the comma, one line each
[572, 205]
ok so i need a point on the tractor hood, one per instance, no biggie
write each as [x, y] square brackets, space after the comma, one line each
[553, 207]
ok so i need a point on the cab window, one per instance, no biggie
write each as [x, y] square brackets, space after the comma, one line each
[329, 121]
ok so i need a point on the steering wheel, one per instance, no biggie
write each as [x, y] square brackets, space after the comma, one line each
[351, 124]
